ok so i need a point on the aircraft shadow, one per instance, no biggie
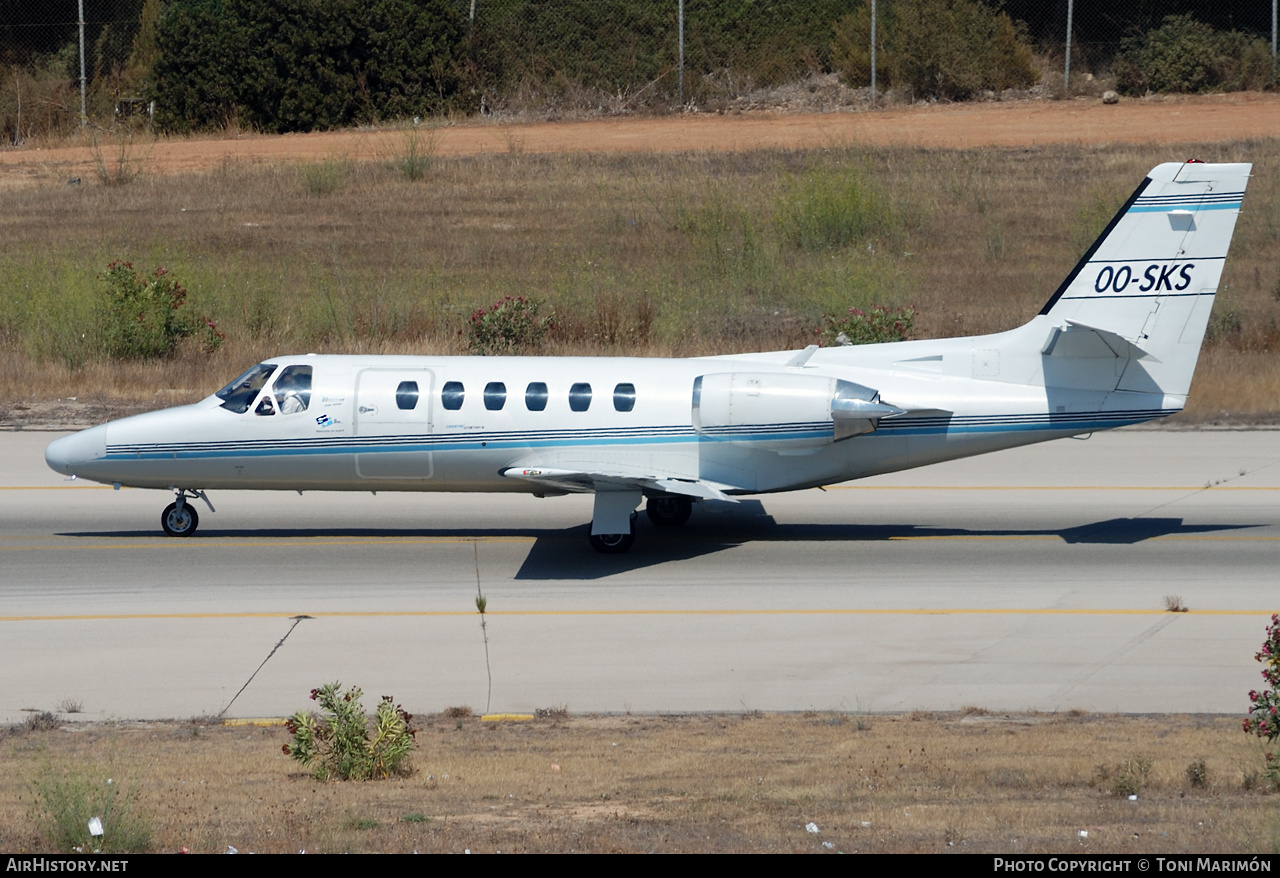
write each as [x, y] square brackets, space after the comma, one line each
[564, 553]
[552, 559]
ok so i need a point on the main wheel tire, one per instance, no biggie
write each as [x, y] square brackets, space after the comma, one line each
[612, 544]
[179, 522]
[669, 511]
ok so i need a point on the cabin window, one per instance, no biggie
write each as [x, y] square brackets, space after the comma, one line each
[407, 396]
[451, 395]
[240, 394]
[535, 396]
[624, 397]
[293, 389]
[580, 397]
[495, 396]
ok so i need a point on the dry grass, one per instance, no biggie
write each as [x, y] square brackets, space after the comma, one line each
[637, 254]
[970, 781]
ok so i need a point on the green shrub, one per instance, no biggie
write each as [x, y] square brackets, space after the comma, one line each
[324, 177]
[1225, 322]
[508, 326]
[624, 51]
[300, 65]
[1187, 56]
[68, 796]
[340, 744]
[833, 208]
[876, 325]
[1198, 774]
[145, 318]
[948, 49]
[414, 158]
[1128, 779]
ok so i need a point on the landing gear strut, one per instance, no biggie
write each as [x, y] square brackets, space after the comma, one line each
[179, 518]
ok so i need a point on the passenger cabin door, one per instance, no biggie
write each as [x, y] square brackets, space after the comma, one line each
[393, 413]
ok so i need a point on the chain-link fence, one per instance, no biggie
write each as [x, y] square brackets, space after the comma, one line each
[63, 60]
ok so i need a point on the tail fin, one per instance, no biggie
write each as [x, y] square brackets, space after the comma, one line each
[1147, 285]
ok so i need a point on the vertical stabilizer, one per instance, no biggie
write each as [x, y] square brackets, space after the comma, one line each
[1147, 285]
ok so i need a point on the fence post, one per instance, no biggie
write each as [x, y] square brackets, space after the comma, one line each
[680, 15]
[1066, 74]
[873, 50]
[84, 115]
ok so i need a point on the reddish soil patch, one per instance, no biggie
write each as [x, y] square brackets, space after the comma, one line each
[1212, 118]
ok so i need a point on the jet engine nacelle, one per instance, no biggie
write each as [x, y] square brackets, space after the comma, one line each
[786, 408]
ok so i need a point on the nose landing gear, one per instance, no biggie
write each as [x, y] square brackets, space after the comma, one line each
[179, 518]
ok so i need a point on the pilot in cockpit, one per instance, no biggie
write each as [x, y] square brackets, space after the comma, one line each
[293, 389]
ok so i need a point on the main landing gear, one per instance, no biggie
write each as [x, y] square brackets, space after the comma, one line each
[179, 518]
[613, 544]
[668, 510]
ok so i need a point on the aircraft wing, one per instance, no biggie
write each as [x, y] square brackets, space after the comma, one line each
[591, 478]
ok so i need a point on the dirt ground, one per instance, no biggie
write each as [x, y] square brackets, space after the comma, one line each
[969, 782]
[1210, 118]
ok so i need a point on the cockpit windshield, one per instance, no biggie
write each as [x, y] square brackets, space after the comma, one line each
[239, 394]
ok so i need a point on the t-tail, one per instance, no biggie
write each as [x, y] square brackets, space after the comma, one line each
[1131, 316]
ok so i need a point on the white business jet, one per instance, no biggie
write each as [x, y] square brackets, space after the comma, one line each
[1116, 344]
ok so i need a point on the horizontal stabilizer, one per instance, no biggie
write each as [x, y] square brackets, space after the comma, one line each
[1078, 339]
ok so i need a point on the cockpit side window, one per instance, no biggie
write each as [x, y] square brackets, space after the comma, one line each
[293, 389]
[240, 394]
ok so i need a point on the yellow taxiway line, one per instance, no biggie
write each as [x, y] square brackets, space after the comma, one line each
[392, 614]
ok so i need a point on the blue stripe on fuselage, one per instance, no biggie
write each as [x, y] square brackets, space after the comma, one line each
[933, 425]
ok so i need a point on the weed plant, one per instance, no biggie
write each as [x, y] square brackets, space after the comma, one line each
[1197, 774]
[1128, 778]
[68, 795]
[124, 166]
[413, 160]
[322, 178]
[829, 209]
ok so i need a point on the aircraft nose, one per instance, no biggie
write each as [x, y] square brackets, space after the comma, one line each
[66, 454]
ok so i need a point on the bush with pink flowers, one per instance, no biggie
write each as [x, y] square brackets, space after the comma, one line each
[513, 324]
[1264, 711]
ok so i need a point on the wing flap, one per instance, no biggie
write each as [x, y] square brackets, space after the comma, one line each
[588, 480]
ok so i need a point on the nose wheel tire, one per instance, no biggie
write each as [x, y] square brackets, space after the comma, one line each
[669, 511]
[612, 544]
[179, 522]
